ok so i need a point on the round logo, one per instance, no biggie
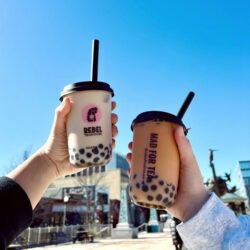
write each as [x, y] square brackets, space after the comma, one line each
[91, 113]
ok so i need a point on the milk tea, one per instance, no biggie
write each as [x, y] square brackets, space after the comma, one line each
[155, 162]
[89, 127]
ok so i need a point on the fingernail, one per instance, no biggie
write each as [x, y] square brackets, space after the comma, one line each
[182, 132]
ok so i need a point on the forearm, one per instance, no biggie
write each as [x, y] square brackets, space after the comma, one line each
[34, 176]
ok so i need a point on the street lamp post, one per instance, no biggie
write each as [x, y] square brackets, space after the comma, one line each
[65, 200]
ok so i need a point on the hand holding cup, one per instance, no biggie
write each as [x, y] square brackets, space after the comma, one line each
[191, 193]
[56, 147]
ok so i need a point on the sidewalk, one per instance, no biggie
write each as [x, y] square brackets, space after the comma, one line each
[146, 241]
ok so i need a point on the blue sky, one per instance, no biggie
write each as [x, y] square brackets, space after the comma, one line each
[151, 52]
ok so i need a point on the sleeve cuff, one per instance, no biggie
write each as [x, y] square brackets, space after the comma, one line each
[207, 228]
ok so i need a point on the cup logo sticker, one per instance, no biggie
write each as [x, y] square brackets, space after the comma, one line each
[91, 114]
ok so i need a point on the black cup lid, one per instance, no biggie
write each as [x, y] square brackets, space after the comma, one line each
[157, 115]
[83, 86]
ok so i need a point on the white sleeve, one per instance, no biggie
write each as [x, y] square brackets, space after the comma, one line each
[215, 227]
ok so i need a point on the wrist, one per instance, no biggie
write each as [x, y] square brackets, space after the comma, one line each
[49, 164]
[194, 205]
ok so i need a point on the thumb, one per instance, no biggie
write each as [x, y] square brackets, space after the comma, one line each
[184, 147]
[61, 114]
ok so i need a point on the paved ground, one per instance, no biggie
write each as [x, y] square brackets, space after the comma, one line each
[146, 241]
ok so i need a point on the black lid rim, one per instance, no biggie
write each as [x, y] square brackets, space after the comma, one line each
[156, 115]
[84, 86]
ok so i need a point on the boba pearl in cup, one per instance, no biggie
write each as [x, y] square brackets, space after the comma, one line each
[89, 128]
[155, 164]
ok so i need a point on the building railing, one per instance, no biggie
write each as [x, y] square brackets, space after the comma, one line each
[142, 228]
[59, 234]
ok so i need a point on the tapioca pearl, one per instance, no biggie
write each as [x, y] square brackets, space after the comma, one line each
[149, 180]
[95, 150]
[171, 195]
[107, 157]
[106, 148]
[150, 197]
[153, 187]
[102, 154]
[166, 190]
[144, 188]
[77, 156]
[100, 146]
[74, 150]
[173, 188]
[82, 161]
[138, 185]
[159, 197]
[96, 159]
[88, 154]
[89, 164]
[72, 157]
[165, 200]
[175, 196]
[77, 164]
[81, 151]
[161, 183]
[134, 176]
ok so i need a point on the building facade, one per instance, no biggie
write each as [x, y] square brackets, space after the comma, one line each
[93, 196]
[243, 171]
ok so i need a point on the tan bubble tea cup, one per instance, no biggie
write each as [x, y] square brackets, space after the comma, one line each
[155, 164]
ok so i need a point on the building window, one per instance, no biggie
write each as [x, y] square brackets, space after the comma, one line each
[246, 172]
[247, 181]
[97, 169]
[103, 168]
[90, 170]
[84, 172]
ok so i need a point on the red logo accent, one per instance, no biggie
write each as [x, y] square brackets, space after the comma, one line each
[91, 114]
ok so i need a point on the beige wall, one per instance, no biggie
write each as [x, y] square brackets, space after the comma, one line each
[110, 180]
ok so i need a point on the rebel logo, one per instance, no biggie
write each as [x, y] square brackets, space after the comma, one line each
[91, 115]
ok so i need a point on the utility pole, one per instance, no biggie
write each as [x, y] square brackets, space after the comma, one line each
[211, 164]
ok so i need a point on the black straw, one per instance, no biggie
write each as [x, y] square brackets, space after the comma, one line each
[185, 105]
[95, 54]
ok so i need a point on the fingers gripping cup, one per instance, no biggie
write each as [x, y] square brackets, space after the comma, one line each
[89, 127]
[155, 165]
